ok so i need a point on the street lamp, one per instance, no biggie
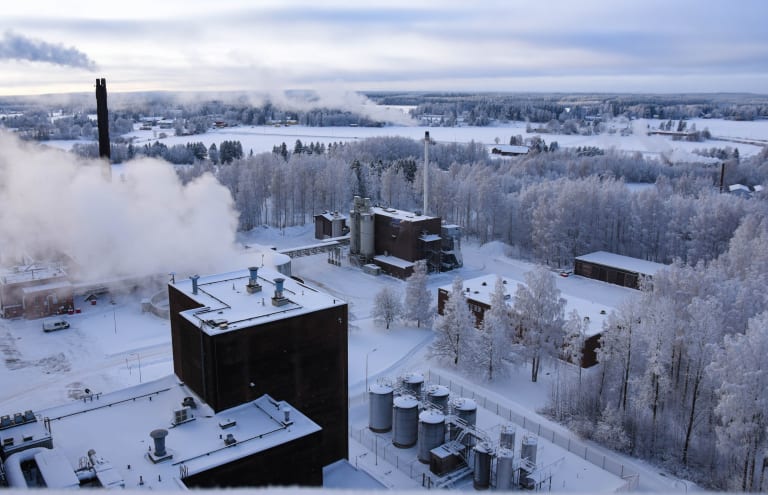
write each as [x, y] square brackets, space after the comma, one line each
[366, 369]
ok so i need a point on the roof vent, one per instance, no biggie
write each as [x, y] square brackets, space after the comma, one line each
[189, 401]
[253, 281]
[160, 453]
[182, 415]
[194, 278]
[278, 299]
[230, 439]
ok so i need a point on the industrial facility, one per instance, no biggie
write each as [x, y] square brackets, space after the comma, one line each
[443, 430]
[258, 398]
[35, 291]
[391, 241]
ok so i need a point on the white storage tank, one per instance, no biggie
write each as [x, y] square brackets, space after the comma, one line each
[481, 477]
[413, 382]
[405, 421]
[465, 409]
[528, 449]
[438, 395]
[431, 433]
[507, 436]
[366, 235]
[505, 469]
[380, 398]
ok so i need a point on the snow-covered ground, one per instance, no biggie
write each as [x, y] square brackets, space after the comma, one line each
[112, 344]
[264, 138]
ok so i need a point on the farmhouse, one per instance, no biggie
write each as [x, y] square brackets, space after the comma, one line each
[477, 292]
[615, 268]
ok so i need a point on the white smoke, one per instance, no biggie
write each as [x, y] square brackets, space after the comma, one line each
[17, 47]
[143, 221]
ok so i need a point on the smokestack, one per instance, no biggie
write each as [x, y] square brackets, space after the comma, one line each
[194, 278]
[426, 171]
[103, 118]
[722, 177]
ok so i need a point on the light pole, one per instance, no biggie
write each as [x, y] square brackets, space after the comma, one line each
[366, 370]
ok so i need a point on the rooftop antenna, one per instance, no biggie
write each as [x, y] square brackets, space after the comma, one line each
[102, 116]
[427, 142]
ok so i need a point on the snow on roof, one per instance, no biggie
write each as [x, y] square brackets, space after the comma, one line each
[32, 272]
[481, 288]
[509, 148]
[117, 427]
[408, 216]
[430, 237]
[612, 260]
[335, 215]
[60, 284]
[738, 187]
[393, 261]
[227, 304]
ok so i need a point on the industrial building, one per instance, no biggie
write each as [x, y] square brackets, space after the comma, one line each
[394, 240]
[35, 291]
[160, 436]
[477, 292]
[330, 225]
[237, 336]
[615, 268]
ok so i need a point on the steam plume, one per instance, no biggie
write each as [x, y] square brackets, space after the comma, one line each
[17, 47]
[143, 222]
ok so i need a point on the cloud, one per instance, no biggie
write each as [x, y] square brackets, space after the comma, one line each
[17, 47]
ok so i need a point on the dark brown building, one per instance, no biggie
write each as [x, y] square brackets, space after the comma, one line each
[615, 268]
[35, 292]
[240, 335]
[328, 225]
[477, 292]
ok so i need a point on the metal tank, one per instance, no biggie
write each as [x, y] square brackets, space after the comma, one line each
[507, 436]
[465, 410]
[366, 235]
[413, 382]
[438, 395]
[405, 421]
[529, 447]
[431, 433]
[380, 408]
[481, 477]
[505, 469]
[528, 461]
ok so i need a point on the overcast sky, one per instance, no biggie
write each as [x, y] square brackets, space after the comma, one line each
[53, 46]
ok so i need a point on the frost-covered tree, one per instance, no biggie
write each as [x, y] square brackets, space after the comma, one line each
[540, 313]
[386, 306]
[418, 300]
[453, 328]
[492, 341]
[741, 369]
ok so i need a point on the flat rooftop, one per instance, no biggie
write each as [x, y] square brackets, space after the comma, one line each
[480, 290]
[621, 262]
[227, 304]
[401, 214]
[117, 427]
[28, 273]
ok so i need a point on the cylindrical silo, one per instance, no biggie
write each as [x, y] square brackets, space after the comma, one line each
[405, 421]
[465, 410]
[507, 436]
[438, 396]
[413, 382]
[528, 448]
[380, 408]
[481, 477]
[337, 225]
[366, 235]
[431, 433]
[505, 469]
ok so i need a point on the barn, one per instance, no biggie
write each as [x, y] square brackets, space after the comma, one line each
[615, 268]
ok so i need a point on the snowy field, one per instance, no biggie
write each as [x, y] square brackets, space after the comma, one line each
[112, 344]
[264, 138]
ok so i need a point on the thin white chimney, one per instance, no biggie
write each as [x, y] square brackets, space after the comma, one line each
[426, 171]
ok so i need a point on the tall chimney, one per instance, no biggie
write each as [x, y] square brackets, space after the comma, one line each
[426, 171]
[102, 117]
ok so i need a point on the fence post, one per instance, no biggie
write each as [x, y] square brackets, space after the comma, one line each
[603, 462]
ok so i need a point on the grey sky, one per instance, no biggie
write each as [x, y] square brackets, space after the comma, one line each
[511, 45]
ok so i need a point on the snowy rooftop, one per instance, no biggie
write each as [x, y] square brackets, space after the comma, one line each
[117, 427]
[394, 261]
[509, 148]
[400, 214]
[332, 215]
[30, 272]
[227, 304]
[635, 265]
[480, 290]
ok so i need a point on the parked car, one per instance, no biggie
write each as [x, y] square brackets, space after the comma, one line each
[52, 325]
